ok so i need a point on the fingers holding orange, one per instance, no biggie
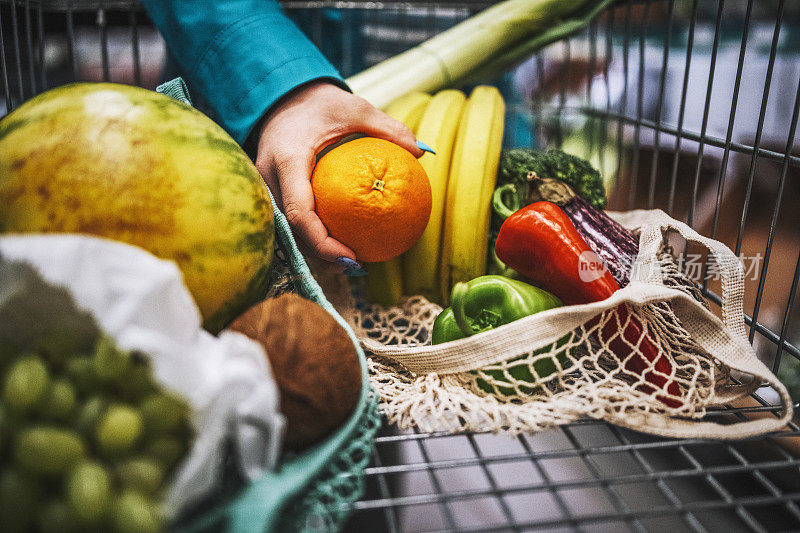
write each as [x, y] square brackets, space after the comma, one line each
[287, 178]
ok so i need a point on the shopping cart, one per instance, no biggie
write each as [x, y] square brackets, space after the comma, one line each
[690, 106]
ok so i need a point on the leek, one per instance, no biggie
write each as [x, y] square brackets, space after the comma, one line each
[490, 41]
[518, 53]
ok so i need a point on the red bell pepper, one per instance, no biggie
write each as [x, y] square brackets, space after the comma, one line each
[541, 242]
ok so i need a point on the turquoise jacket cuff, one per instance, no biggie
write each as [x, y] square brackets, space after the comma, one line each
[241, 56]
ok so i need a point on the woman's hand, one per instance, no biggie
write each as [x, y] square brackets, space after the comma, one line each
[295, 131]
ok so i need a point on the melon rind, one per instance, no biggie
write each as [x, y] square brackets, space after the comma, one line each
[136, 166]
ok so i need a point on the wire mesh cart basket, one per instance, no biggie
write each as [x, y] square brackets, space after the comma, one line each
[690, 106]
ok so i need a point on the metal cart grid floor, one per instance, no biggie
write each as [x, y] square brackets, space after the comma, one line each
[686, 104]
[586, 476]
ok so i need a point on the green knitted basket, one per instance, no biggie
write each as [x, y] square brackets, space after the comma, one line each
[313, 490]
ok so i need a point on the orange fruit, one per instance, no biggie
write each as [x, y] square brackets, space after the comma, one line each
[373, 196]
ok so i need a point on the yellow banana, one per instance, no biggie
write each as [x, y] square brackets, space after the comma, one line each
[385, 279]
[409, 109]
[385, 282]
[473, 173]
[438, 128]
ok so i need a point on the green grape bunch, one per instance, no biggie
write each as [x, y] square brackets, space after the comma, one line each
[88, 437]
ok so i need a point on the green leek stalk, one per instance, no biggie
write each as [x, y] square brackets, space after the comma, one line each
[522, 51]
[499, 35]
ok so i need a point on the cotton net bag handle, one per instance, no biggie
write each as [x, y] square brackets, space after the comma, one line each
[726, 339]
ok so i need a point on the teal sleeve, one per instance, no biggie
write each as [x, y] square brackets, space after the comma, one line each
[241, 56]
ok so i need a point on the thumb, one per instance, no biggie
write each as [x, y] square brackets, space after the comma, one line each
[378, 124]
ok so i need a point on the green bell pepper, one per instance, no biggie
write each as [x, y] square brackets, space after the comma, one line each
[486, 303]
[445, 328]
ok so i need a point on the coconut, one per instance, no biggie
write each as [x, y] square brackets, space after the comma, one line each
[313, 360]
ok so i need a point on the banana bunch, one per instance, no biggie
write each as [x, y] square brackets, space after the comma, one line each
[467, 135]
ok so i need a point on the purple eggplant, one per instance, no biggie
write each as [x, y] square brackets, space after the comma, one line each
[615, 245]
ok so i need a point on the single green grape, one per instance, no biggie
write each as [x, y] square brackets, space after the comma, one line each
[110, 363]
[118, 429]
[26, 384]
[142, 474]
[133, 513]
[19, 495]
[90, 414]
[61, 401]
[56, 516]
[89, 492]
[80, 371]
[162, 413]
[48, 450]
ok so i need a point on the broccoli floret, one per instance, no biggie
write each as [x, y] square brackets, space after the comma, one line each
[515, 163]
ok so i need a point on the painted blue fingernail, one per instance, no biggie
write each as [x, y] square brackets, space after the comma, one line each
[424, 147]
[348, 263]
[355, 272]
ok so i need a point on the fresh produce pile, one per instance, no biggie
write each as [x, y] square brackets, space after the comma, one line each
[467, 134]
[638, 348]
[526, 175]
[541, 242]
[87, 437]
[547, 230]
